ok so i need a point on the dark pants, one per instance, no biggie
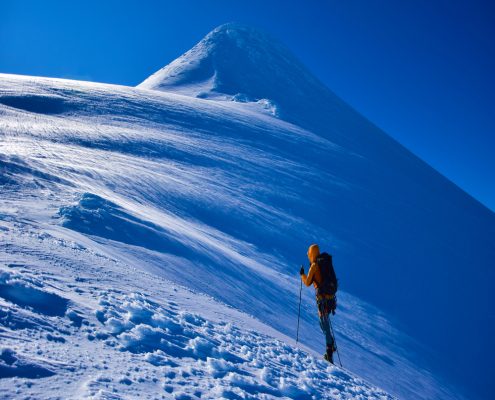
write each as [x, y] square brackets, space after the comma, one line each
[325, 307]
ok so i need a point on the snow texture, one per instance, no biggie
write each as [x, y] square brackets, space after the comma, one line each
[151, 237]
[116, 332]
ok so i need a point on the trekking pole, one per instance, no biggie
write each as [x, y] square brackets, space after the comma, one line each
[299, 313]
[335, 341]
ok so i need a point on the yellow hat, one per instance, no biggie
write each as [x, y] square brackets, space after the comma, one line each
[313, 252]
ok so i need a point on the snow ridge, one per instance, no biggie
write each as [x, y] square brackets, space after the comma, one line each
[239, 63]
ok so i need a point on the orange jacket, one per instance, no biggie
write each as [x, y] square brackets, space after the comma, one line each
[314, 273]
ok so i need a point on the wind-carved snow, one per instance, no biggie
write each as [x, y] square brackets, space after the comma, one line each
[122, 333]
[110, 191]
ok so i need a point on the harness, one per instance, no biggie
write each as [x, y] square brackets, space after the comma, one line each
[326, 305]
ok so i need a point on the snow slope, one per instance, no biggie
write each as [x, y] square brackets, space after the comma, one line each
[77, 323]
[96, 183]
[118, 201]
[407, 239]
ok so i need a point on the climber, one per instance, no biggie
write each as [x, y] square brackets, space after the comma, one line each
[322, 275]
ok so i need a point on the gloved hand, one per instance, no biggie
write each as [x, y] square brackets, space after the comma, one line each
[301, 272]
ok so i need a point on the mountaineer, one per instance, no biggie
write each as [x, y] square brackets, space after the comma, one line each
[322, 275]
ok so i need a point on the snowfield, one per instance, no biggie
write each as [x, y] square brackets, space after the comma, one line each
[78, 324]
[151, 239]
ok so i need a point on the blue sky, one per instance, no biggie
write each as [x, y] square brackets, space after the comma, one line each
[421, 70]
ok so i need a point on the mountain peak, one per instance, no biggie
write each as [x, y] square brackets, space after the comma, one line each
[237, 62]
[235, 29]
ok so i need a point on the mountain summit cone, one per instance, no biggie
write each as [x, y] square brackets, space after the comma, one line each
[240, 63]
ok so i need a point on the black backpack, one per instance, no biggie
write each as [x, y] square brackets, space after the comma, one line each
[329, 284]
